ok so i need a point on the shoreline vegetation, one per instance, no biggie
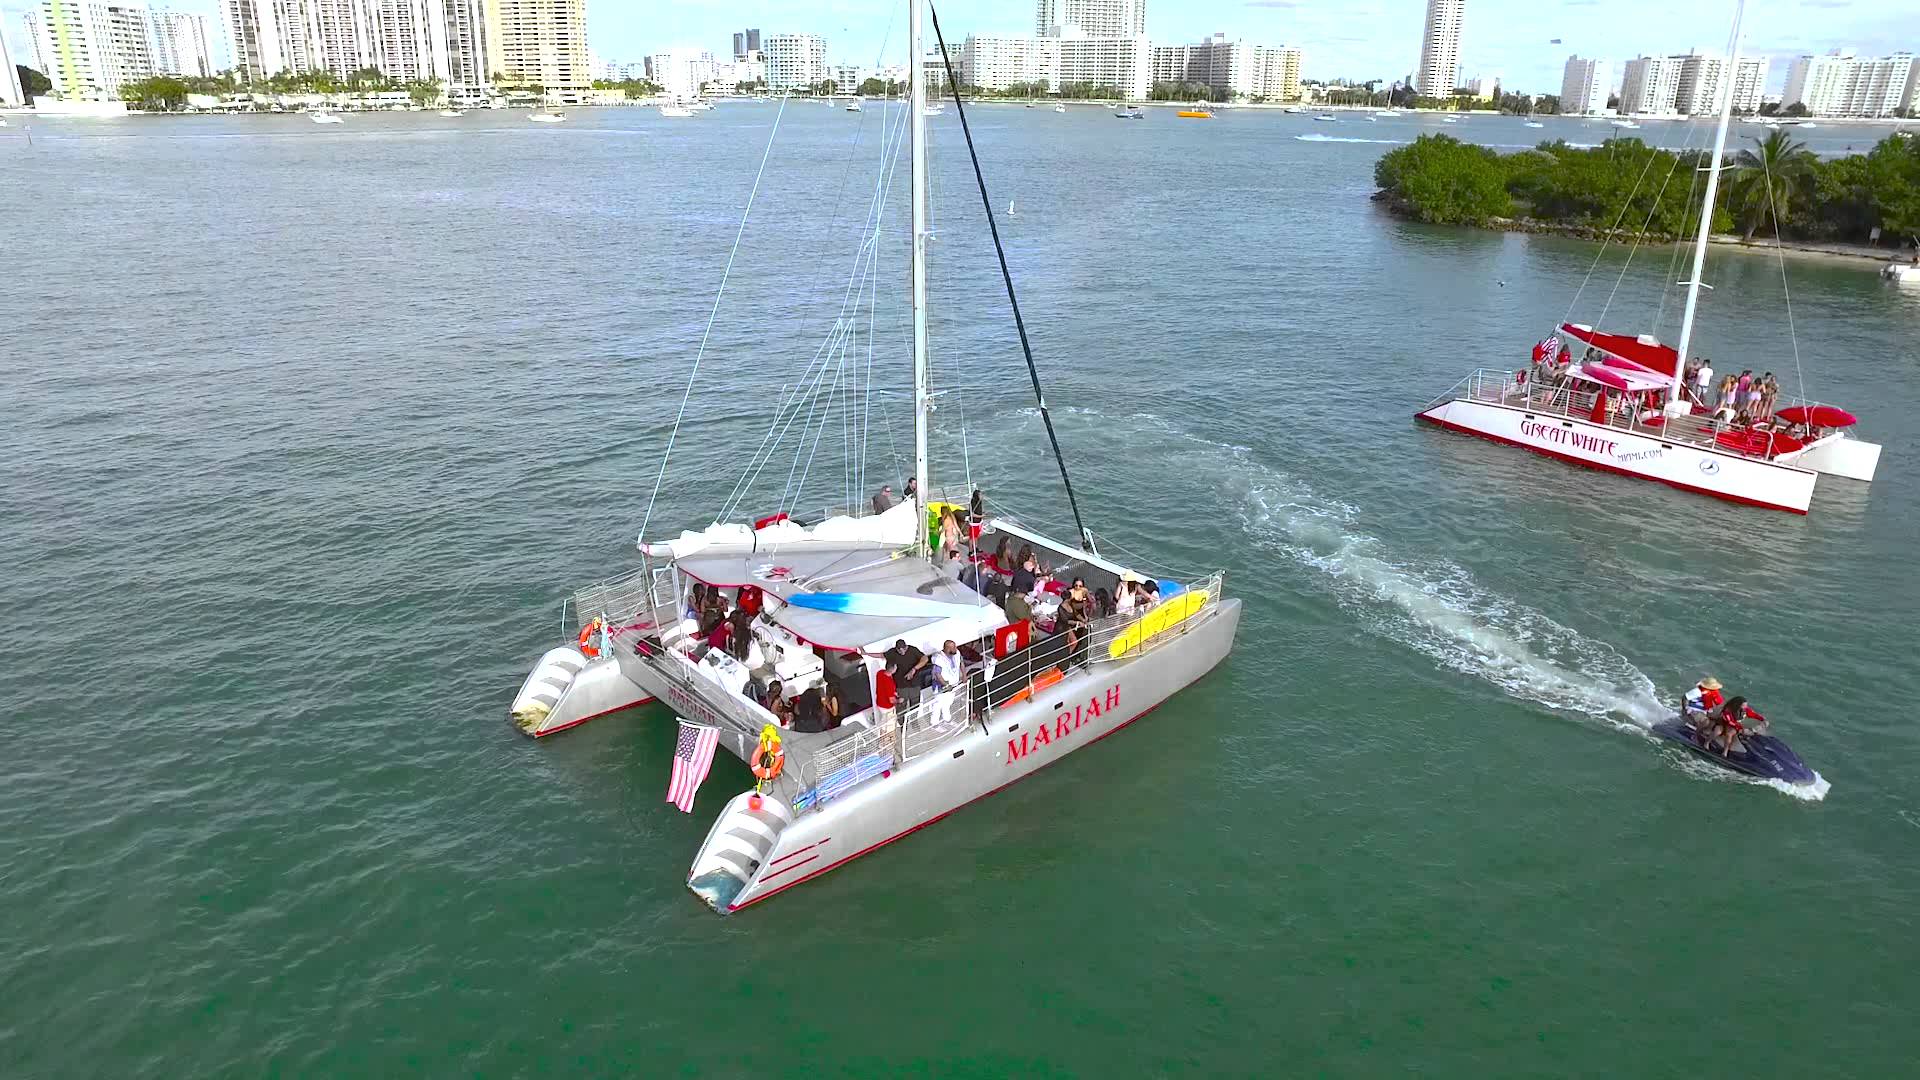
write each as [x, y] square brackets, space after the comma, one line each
[1775, 194]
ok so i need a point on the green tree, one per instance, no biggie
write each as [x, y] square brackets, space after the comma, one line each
[32, 82]
[160, 93]
[1444, 181]
[1770, 182]
[872, 86]
[423, 91]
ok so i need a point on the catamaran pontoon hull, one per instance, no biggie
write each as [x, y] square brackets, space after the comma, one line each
[566, 689]
[751, 854]
[1725, 475]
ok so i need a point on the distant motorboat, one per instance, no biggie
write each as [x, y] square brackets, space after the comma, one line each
[677, 112]
[1624, 124]
[1535, 123]
[1388, 112]
[934, 110]
[1449, 119]
[1902, 273]
[1030, 105]
[545, 117]
[452, 112]
[1195, 114]
[853, 105]
[325, 117]
[1130, 114]
[1059, 108]
[1326, 119]
[1295, 109]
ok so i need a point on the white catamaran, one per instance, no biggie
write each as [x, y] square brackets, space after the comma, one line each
[817, 608]
[1602, 413]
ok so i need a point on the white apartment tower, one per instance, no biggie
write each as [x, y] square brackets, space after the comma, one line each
[1090, 18]
[795, 61]
[540, 41]
[1650, 86]
[1276, 72]
[91, 48]
[1439, 72]
[1223, 66]
[1698, 87]
[1585, 86]
[182, 44]
[1841, 84]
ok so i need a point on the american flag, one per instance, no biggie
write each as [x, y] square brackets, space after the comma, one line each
[692, 757]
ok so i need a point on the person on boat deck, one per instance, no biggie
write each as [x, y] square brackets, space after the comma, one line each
[777, 703]
[1001, 562]
[972, 574]
[1103, 604]
[947, 666]
[950, 530]
[909, 668]
[913, 488]
[1017, 607]
[1703, 383]
[1076, 614]
[1124, 602]
[740, 632]
[1705, 697]
[976, 517]
[884, 500]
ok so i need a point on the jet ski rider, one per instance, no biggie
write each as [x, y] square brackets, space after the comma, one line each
[1702, 700]
[1731, 722]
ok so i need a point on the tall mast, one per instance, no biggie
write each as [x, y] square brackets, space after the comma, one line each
[1728, 79]
[917, 138]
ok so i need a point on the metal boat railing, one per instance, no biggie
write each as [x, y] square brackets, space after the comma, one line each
[638, 596]
[689, 692]
[1573, 401]
[863, 753]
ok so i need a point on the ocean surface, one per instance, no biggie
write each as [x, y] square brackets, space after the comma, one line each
[310, 430]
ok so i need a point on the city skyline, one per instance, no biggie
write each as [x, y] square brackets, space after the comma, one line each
[1344, 39]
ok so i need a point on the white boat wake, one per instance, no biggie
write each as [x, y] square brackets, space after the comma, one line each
[1317, 137]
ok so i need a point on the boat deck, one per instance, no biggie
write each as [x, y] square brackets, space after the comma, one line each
[1574, 401]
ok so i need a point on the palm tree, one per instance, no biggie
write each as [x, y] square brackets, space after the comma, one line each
[1767, 180]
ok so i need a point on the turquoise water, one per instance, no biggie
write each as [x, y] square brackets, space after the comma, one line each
[311, 429]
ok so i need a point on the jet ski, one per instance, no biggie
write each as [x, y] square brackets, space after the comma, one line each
[1761, 756]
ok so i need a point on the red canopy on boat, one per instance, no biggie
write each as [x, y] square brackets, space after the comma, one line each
[1602, 375]
[1653, 356]
[1818, 416]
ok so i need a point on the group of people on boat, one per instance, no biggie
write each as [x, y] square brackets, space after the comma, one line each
[1720, 721]
[1742, 400]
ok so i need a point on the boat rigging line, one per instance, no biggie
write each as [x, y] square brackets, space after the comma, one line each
[1780, 254]
[712, 315]
[1006, 275]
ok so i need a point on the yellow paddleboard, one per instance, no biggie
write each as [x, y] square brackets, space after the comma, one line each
[1165, 617]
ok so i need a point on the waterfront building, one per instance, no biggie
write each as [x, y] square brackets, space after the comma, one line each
[1224, 67]
[1650, 86]
[1439, 73]
[795, 61]
[540, 41]
[1485, 87]
[1697, 89]
[681, 73]
[1585, 86]
[1090, 18]
[92, 48]
[997, 61]
[1841, 84]
[182, 44]
[1122, 64]
[12, 95]
[1276, 72]
[459, 40]
[267, 37]
[746, 45]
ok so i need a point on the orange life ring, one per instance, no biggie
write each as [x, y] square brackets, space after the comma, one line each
[587, 634]
[769, 757]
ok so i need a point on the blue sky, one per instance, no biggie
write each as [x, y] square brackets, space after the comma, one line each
[1357, 39]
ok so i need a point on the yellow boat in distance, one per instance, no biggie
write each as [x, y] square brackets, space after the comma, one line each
[1196, 114]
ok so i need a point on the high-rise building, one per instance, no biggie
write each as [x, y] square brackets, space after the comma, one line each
[257, 38]
[1090, 18]
[540, 41]
[795, 61]
[746, 45]
[92, 48]
[1120, 65]
[1585, 86]
[11, 93]
[182, 44]
[1650, 85]
[460, 42]
[1439, 73]
[1698, 87]
[682, 72]
[1276, 72]
[995, 62]
[1222, 66]
[1841, 84]
[36, 59]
